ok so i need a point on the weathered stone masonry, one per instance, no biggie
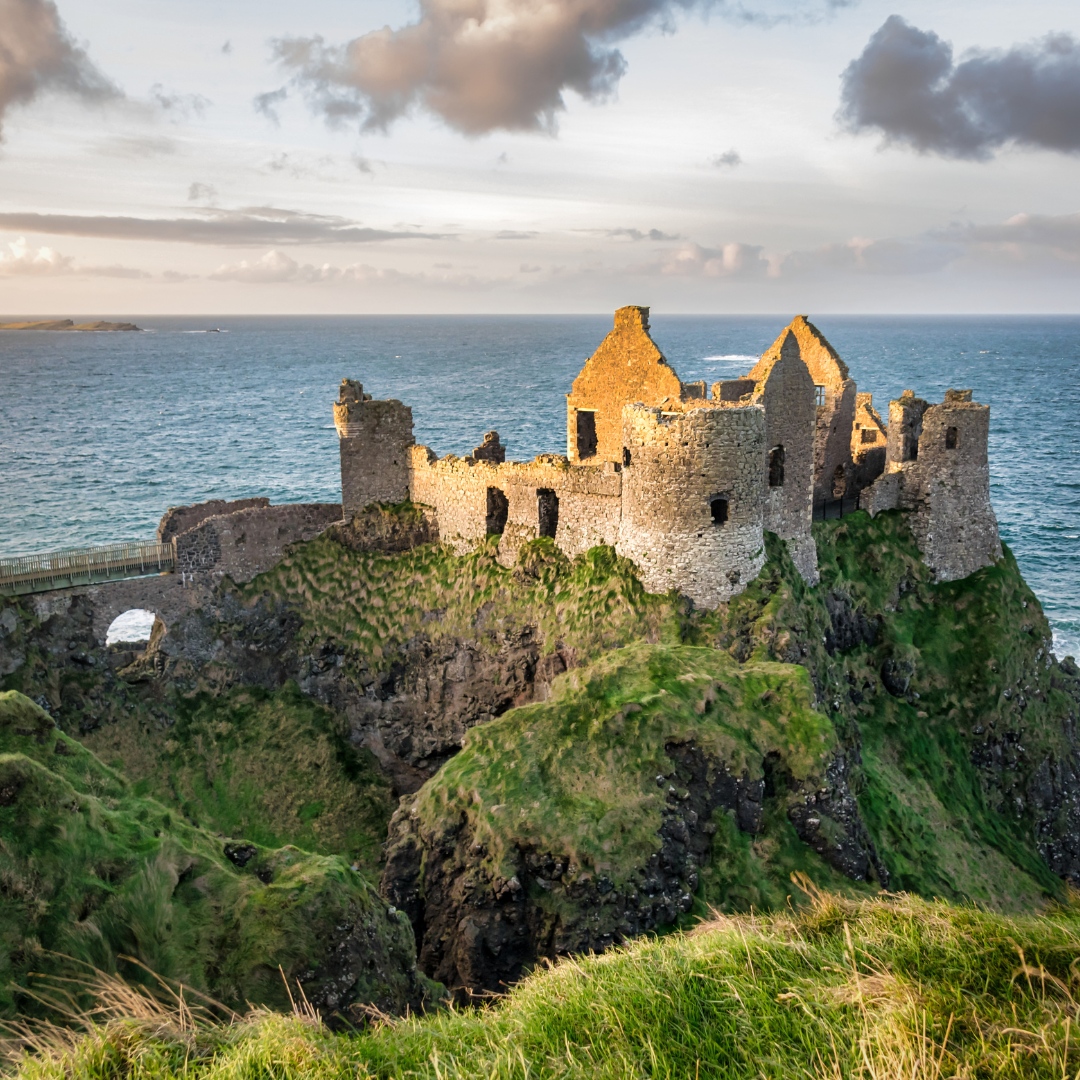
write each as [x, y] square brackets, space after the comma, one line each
[684, 483]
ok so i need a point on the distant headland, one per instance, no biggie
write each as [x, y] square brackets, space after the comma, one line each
[68, 324]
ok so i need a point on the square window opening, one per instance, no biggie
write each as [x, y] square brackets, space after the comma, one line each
[547, 512]
[718, 508]
[586, 433]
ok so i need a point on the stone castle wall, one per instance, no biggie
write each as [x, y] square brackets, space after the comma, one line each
[680, 464]
[939, 472]
[178, 519]
[785, 390]
[375, 437]
[626, 369]
[249, 541]
[587, 500]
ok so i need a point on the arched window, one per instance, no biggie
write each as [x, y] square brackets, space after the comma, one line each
[718, 508]
[133, 627]
[776, 467]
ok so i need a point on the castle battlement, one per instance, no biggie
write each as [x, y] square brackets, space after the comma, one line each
[684, 482]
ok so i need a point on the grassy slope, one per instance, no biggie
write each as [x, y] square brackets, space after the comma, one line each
[271, 767]
[575, 776]
[876, 989]
[90, 870]
[372, 604]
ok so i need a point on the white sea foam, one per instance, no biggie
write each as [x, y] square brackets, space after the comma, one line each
[133, 626]
[1066, 643]
[733, 358]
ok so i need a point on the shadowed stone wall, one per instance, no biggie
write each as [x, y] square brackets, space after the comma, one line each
[785, 390]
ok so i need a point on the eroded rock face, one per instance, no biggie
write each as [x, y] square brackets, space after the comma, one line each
[478, 933]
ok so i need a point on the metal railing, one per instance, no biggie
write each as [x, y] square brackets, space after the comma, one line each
[830, 509]
[84, 566]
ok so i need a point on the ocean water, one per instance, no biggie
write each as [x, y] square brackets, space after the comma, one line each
[100, 433]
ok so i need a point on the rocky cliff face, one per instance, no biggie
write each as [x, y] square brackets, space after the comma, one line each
[945, 763]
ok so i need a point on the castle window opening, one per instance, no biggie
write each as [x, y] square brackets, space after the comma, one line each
[776, 467]
[498, 507]
[869, 435]
[547, 512]
[952, 438]
[718, 507]
[626, 457]
[839, 483]
[819, 395]
[911, 447]
[586, 433]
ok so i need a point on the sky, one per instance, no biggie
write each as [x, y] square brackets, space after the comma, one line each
[700, 156]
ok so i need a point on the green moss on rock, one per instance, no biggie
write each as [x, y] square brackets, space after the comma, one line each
[91, 872]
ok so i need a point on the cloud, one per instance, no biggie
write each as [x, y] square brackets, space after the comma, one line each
[20, 260]
[920, 255]
[258, 225]
[486, 65]
[267, 103]
[637, 234]
[729, 159]
[732, 260]
[38, 56]
[137, 146]
[275, 267]
[906, 86]
[179, 106]
[202, 192]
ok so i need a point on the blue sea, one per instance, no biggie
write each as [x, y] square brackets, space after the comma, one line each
[100, 433]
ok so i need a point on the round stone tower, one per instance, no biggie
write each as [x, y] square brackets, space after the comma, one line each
[693, 497]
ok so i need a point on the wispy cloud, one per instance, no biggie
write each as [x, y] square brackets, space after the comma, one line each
[906, 87]
[38, 56]
[276, 267]
[729, 159]
[258, 225]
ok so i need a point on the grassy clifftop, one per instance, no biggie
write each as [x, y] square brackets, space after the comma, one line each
[90, 872]
[882, 988]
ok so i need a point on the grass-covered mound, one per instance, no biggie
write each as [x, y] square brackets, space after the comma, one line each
[273, 767]
[372, 604]
[574, 822]
[91, 872]
[884, 988]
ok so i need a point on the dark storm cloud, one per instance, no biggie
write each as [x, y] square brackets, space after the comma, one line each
[483, 65]
[37, 56]
[253, 225]
[906, 86]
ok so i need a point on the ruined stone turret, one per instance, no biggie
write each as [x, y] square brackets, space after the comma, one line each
[374, 441]
[938, 470]
[691, 498]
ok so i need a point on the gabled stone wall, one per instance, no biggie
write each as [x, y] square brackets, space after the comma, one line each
[785, 390]
[627, 368]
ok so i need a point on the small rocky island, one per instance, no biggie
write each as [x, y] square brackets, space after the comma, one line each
[69, 324]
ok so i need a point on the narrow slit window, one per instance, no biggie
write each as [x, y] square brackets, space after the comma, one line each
[547, 512]
[776, 467]
[626, 456]
[498, 507]
[952, 438]
[718, 508]
[586, 433]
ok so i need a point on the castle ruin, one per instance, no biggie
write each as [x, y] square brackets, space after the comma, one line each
[685, 480]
